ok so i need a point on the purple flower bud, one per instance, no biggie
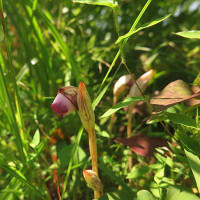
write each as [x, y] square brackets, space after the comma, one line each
[62, 105]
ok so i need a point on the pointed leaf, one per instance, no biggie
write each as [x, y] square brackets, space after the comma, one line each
[109, 3]
[191, 144]
[152, 23]
[194, 163]
[189, 34]
[36, 139]
[118, 106]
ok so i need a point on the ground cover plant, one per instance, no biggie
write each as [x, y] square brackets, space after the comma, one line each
[128, 125]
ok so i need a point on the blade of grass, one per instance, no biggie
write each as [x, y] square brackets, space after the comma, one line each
[108, 3]
[120, 105]
[20, 142]
[65, 48]
[44, 71]
[147, 25]
[69, 168]
[194, 163]
[18, 175]
[23, 31]
[120, 51]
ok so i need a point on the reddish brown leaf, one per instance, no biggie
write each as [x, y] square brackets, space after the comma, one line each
[174, 93]
[194, 101]
[142, 144]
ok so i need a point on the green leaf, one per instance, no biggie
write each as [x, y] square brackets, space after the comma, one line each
[131, 32]
[189, 34]
[109, 3]
[64, 153]
[36, 139]
[100, 132]
[23, 71]
[182, 120]
[194, 163]
[137, 172]
[174, 193]
[145, 195]
[124, 103]
[189, 143]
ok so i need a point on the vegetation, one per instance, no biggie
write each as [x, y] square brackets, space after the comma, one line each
[139, 61]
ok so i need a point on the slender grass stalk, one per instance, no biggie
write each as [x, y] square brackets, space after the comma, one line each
[20, 139]
[120, 51]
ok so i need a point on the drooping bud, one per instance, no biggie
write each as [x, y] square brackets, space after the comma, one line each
[85, 110]
[65, 101]
[92, 180]
[122, 83]
[142, 83]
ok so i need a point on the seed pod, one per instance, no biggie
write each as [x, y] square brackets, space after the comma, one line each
[85, 110]
[92, 180]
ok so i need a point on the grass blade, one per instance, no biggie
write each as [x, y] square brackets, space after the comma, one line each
[189, 34]
[194, 163]
[123, 104]
[17, 174]
[147, 25]
[109, 3]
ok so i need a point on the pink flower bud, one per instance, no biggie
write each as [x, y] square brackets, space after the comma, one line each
[65, 101]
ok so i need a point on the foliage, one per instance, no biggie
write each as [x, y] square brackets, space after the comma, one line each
[46, 45]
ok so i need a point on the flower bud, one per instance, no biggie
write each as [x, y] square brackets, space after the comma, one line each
[142, 82]
[85, 110]
[65, 101]
[122, 83]
[92, 180]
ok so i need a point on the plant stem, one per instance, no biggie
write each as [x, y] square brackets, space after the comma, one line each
[129, 131]
[94, 156]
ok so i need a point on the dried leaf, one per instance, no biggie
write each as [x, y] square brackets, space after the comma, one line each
[174, 93]
[142, 145]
